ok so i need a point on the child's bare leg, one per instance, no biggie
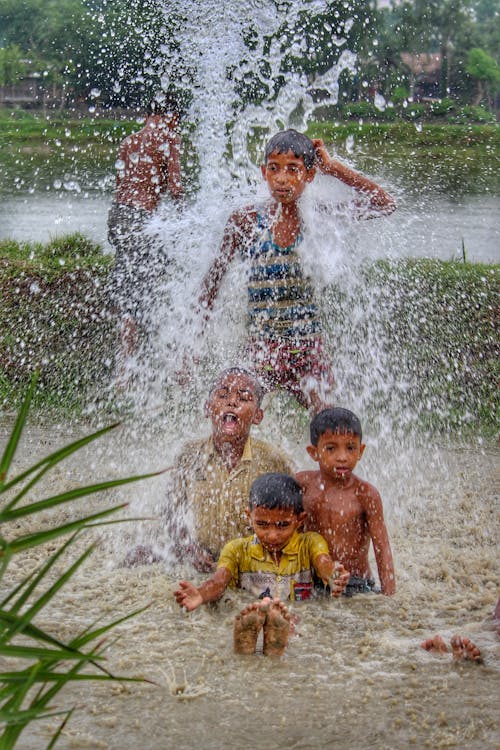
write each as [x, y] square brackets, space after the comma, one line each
[464, 650]
[276, 628]
[247, 626]
[436, 645]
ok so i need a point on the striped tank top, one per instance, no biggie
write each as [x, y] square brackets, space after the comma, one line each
[281, 304]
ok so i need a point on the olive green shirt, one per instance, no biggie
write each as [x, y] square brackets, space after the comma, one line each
[213, 500]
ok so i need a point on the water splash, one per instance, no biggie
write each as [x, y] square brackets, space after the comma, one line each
[244, 49]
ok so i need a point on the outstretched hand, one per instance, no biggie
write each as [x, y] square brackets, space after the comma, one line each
[338, 579]
[188, 596]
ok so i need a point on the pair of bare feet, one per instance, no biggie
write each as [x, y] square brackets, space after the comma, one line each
[463, 649]
[269, 615]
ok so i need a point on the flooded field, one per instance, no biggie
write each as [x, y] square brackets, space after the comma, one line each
[353, 676]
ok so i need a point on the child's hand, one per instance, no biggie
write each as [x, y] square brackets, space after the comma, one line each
[188, 596]
[338, 579]
[323, 158]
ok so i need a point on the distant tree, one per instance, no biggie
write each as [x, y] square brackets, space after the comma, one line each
[12, 66]
[486, 72]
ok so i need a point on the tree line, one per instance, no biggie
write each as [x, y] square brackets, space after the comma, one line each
[120, 52]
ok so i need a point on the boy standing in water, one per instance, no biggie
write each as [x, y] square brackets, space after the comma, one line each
[344, 509]
[148, 167]
[285, 343]
[274, 564]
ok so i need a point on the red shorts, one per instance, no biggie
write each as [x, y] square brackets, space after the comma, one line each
[297, 368]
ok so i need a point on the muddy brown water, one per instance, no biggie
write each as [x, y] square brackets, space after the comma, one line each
[354, 676]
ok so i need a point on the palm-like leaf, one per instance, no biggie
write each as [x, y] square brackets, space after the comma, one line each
[26, 693]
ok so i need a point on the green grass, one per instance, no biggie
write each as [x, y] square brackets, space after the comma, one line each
[21, 126]
[407, 134]
[53, 317]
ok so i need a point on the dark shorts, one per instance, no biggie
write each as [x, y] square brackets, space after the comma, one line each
[295, 367]
[138, 265]
[360, 585]
[356, 585]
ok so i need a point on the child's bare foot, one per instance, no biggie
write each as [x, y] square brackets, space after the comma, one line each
[464, 650]
[276, 628]
[247, 626]
[436, 645]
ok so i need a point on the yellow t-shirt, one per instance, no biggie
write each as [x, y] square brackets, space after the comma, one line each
[253, 569]
[213, 500]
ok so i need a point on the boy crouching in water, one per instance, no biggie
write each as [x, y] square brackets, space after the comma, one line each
[343, 508]
[275, 564]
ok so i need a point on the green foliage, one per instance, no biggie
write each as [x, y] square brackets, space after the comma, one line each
[119, 53]
[54, 318]
[482, 66]
[414, 111]
[37, 663]
[486, 72]
[442, 107]
[73, 251]
[479, 114]
[12, 67]
[400, 94]
[361, 111]
[433, 325]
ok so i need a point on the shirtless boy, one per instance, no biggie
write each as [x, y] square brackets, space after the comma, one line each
[274, 564]
[285, 343]
[344, 509]
[148, 167]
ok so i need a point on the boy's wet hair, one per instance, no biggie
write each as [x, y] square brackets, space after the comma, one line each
[336, 420]
[292, 140]
[257, 386]
[166, 104]
[276, 490]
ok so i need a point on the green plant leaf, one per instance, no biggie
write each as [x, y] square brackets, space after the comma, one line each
[51, 460]
[29, 541]
[44, 654]
[51, 502]
[15, 435]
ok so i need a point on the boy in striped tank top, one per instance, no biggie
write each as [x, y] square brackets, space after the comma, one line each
[285, 342]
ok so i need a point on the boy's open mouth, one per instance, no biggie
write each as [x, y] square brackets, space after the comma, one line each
[229, 422]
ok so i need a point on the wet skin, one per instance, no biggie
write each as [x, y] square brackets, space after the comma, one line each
[345, 510]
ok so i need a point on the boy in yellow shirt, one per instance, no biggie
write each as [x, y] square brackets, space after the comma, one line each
[275, 564]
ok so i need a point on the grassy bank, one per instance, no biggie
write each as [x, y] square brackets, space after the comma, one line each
[18, 126]
[53, 318]
[435, 324]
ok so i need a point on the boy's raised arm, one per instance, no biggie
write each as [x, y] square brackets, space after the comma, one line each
[380, 200]
[381, 544]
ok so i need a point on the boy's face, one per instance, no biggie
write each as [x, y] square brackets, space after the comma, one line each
[337, 453]
[286, 176]
[233, 407]
[274, 527]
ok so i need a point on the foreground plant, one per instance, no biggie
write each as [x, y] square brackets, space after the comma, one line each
[28, 693]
